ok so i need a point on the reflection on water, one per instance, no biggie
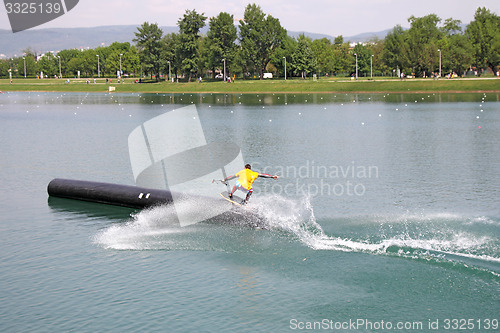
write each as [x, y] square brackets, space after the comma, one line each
[90, 210]
[241, 98]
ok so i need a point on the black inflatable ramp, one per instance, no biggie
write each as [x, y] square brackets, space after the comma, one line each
[112, 194]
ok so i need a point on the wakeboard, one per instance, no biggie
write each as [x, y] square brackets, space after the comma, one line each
[235, 199]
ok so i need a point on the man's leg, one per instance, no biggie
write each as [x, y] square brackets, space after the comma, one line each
[249, 193]
[237, 185]
[232, 192]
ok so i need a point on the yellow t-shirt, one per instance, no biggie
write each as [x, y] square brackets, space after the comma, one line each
[246, 177]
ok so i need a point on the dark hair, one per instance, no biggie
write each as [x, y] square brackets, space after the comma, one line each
[247, 166]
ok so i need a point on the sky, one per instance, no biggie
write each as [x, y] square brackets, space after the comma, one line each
[330, 17]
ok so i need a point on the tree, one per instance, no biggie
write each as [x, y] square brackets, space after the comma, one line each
[250, 35]
[363, 54]
[90, 62]
[458, 53]
[428, 59]
[338, 41]
[484, 33]
[30, 60]
[451, 27]
[260, 37]
[103, 53]
[66, 56]
[188, 47]
[4, 68]
[343, 59]
[285, 51]
[220, 41]
[74, 65]
[376, 48]
[48, 64]
[148, 39]
[119, 47]
[421, 36]
[120, 54]
[131, 62]
[455, 47]
[113, 62]
[323, 52]
[169, 44]
[394, 54]
[303, 59]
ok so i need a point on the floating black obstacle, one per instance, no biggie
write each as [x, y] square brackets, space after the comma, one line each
[140, 197]
[112, 194]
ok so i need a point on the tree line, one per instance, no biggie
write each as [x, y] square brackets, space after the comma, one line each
[260, 44]
[70, 62]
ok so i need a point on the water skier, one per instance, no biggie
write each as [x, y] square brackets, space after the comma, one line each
[246, 177]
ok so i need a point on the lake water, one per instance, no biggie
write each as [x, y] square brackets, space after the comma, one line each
[386, 217]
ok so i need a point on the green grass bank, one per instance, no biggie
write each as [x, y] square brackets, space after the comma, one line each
[258, 86]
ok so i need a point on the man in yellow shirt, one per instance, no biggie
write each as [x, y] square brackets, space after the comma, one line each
[246, 177]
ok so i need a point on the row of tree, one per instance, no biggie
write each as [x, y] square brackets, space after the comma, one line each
[260, 38]
[422, 47]
[261, 45]
[102, 61]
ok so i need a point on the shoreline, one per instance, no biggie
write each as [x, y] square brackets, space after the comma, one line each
[265, 92]
[326, 86]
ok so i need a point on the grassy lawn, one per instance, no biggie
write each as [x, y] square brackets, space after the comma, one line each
[257, 86]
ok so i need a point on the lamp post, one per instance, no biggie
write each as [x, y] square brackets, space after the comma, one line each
[169, 71]
[285, 67]
[439, 50]
[60, 75]
[356, 65]
[121, 65]
[24, 67]
[224, 77]
[98, 69]
[371, 67]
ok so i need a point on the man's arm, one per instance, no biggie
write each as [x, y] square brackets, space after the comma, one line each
[265, 175]
[230, 177]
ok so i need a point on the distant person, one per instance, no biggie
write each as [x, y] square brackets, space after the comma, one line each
[246, 177]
